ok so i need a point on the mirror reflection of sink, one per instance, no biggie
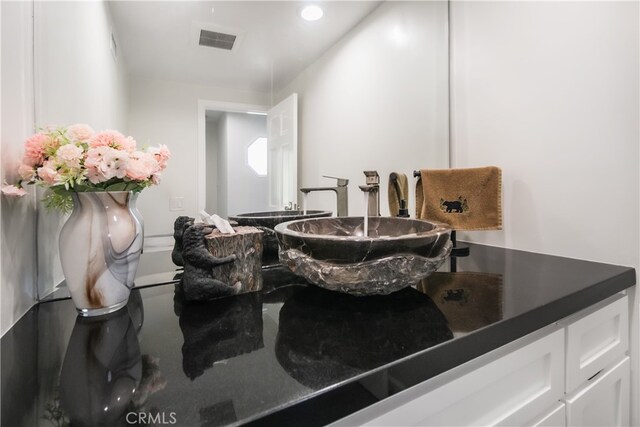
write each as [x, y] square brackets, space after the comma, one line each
[267, 221]
[335, 254]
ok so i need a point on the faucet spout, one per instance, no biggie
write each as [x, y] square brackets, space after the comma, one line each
[341, 191]
[308, 190]
[372, 187]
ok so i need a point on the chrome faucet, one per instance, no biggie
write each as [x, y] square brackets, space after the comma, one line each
[341, 194]
[372, 187]
[291, 207]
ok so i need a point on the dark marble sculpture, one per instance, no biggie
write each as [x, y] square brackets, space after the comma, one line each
[335, 254]
[179, 227]
[197, 281]
[216, 264]
[324, 336]
[246, 245]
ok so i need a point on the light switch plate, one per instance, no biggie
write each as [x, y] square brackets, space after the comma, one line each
[176, 203]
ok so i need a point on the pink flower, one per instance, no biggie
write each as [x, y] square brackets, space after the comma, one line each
[113, 139]
[49, 174]
[80, 132]
[162, 155]
[27, 172]
[60, 155]
[34, 149]
[129, 144]
[141, 166]
[70, 155]
[13, 191]
[94, 176]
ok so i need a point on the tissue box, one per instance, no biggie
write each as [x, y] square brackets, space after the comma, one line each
[246, 245]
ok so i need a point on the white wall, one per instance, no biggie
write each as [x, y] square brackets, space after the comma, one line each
[549, 92]
[246, 190]
[77, 80]
[162, 112]
[377, 100]
[17, 238]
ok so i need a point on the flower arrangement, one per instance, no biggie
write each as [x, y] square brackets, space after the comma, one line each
[77, 159]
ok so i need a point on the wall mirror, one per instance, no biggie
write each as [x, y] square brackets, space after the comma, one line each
[370, 80]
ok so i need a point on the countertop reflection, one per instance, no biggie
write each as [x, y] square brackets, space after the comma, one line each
[325, 337]
[293, 354]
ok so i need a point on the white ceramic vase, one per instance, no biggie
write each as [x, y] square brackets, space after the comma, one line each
[100, 247]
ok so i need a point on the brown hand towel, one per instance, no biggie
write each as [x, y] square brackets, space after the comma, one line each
[398, 190]
[466, 199]
[468, 300]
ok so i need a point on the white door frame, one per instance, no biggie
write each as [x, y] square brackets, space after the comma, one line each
[201, 165]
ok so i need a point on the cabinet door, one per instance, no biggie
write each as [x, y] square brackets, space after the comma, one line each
[510, 390]
[596, 341]
[556, 417]
[604, 401]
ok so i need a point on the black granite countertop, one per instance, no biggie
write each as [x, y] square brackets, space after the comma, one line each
[292, 354]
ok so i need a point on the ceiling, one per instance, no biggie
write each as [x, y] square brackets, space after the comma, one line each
[159, 39]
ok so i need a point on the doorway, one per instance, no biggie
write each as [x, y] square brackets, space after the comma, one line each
[247, 157]
[212, 172]
[236, 162]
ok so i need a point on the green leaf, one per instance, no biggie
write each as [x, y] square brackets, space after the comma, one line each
[121, 186]
[58, 201]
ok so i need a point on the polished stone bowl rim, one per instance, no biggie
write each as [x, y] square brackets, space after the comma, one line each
[264, 215]
[439, 228]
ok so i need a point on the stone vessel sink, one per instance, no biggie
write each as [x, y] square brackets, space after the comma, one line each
[335, 254]
[266, 221]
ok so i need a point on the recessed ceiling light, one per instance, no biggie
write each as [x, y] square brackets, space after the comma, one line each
[311, 13]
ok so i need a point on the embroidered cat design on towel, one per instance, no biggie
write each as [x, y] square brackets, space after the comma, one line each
[454, 206]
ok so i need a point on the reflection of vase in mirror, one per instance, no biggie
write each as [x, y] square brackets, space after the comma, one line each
[101, 370]
[218, 330]
[469, 300]
[325, 336]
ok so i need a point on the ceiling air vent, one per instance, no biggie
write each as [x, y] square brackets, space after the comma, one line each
[218, 40]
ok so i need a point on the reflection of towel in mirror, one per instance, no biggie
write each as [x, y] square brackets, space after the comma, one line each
[466, 199]
[398, 190]
[468, 300]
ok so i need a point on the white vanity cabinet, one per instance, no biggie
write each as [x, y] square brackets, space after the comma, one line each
[596, 341]
[556, 416]
[572, 373]
[597, 366]
[602, 402]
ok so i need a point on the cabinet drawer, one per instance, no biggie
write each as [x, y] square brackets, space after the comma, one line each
[511, 390]
[596, 341]
[604, 401]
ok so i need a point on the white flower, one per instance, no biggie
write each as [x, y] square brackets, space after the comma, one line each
[80, 132]
[69, 155]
